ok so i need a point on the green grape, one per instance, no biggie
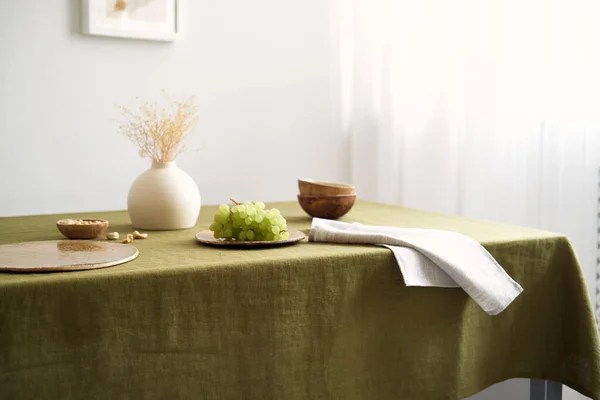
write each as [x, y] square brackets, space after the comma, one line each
[248, 221]
[224, 210]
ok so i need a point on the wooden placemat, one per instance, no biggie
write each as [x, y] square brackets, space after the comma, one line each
[64, 255]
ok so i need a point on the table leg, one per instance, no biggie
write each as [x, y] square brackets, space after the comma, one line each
[544, 390]
[537, 389]
[553, 390]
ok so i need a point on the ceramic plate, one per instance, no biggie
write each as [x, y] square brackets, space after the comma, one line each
[206, 237]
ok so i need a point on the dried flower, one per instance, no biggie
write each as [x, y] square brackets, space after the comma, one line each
[159, 134]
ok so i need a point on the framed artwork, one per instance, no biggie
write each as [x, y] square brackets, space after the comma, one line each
[135, 19]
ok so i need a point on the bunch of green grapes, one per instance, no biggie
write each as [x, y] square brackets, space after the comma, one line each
[249, 221]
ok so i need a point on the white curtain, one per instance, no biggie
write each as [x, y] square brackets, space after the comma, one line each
[483, 108]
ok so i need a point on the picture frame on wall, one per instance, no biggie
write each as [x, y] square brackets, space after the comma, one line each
[132, 19]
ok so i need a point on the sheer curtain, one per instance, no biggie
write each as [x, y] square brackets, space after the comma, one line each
[483, 108]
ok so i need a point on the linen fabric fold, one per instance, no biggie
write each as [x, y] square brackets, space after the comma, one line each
[431, 258]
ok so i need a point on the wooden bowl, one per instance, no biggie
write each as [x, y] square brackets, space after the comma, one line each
[309, 187]
[82, 228]
[328, 207]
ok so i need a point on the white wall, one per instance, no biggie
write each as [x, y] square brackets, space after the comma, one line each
[261, 72]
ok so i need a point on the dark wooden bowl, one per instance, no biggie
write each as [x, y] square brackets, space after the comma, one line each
[82, 228]
[328, 207]
[309, 187]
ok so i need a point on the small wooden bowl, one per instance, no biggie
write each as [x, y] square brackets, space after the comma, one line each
[82, 228]
[328, 207]
[309, 187]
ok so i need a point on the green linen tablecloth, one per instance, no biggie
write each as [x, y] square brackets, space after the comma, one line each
[308, 321]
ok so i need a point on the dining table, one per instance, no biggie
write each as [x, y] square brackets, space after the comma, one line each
[304, 320]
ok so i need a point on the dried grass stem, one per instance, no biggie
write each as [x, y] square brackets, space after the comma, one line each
[159, 134]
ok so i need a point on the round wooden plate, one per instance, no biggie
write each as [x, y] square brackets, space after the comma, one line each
[206, 237]
[63, 255]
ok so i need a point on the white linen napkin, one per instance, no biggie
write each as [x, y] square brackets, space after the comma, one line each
[430, 257]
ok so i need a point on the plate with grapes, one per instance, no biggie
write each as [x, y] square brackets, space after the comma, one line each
[206, 237]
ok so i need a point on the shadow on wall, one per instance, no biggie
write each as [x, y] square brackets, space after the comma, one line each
[74, 7]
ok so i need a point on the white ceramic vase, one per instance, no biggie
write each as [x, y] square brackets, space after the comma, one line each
[163, 197]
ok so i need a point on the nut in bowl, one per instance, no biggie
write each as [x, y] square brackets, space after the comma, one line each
[82, 228]
[328, 207]
[310, 187]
